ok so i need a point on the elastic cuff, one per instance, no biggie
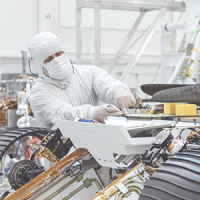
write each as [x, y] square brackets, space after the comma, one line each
[92, 112]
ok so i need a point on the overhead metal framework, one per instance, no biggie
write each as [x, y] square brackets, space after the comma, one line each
[133, 5]
[130, 5]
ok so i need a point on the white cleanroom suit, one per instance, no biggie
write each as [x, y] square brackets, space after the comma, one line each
[66, 91]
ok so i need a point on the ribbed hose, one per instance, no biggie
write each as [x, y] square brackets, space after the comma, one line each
[8, 138]
[177, 178]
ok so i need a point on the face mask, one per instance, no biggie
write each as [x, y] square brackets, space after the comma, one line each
[60, 68]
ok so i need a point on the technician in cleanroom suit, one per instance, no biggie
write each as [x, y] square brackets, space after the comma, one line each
[66, 91]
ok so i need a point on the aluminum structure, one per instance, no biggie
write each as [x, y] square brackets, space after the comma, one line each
[170, 57]
[182, 65]
[130, 5]
[103, 141]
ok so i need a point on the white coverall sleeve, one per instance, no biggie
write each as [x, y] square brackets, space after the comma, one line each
[47, 107]
[105, 85]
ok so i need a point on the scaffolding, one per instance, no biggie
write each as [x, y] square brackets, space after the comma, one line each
[130, 5]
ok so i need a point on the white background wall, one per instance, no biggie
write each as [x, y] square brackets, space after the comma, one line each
[20, 20]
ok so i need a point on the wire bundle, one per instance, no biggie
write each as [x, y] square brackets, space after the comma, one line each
[132, 185]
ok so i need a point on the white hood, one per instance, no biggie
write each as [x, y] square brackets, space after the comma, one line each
[40, 47]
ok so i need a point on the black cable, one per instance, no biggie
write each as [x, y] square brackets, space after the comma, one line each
[34, 154]
[11, 155]
[182, 131]
[5, 194]
[30, 68]
[192, 129]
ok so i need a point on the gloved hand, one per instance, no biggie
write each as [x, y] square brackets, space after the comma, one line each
[107, 110]
[123, 99]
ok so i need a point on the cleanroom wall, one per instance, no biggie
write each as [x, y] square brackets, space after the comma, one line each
[20, 20]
